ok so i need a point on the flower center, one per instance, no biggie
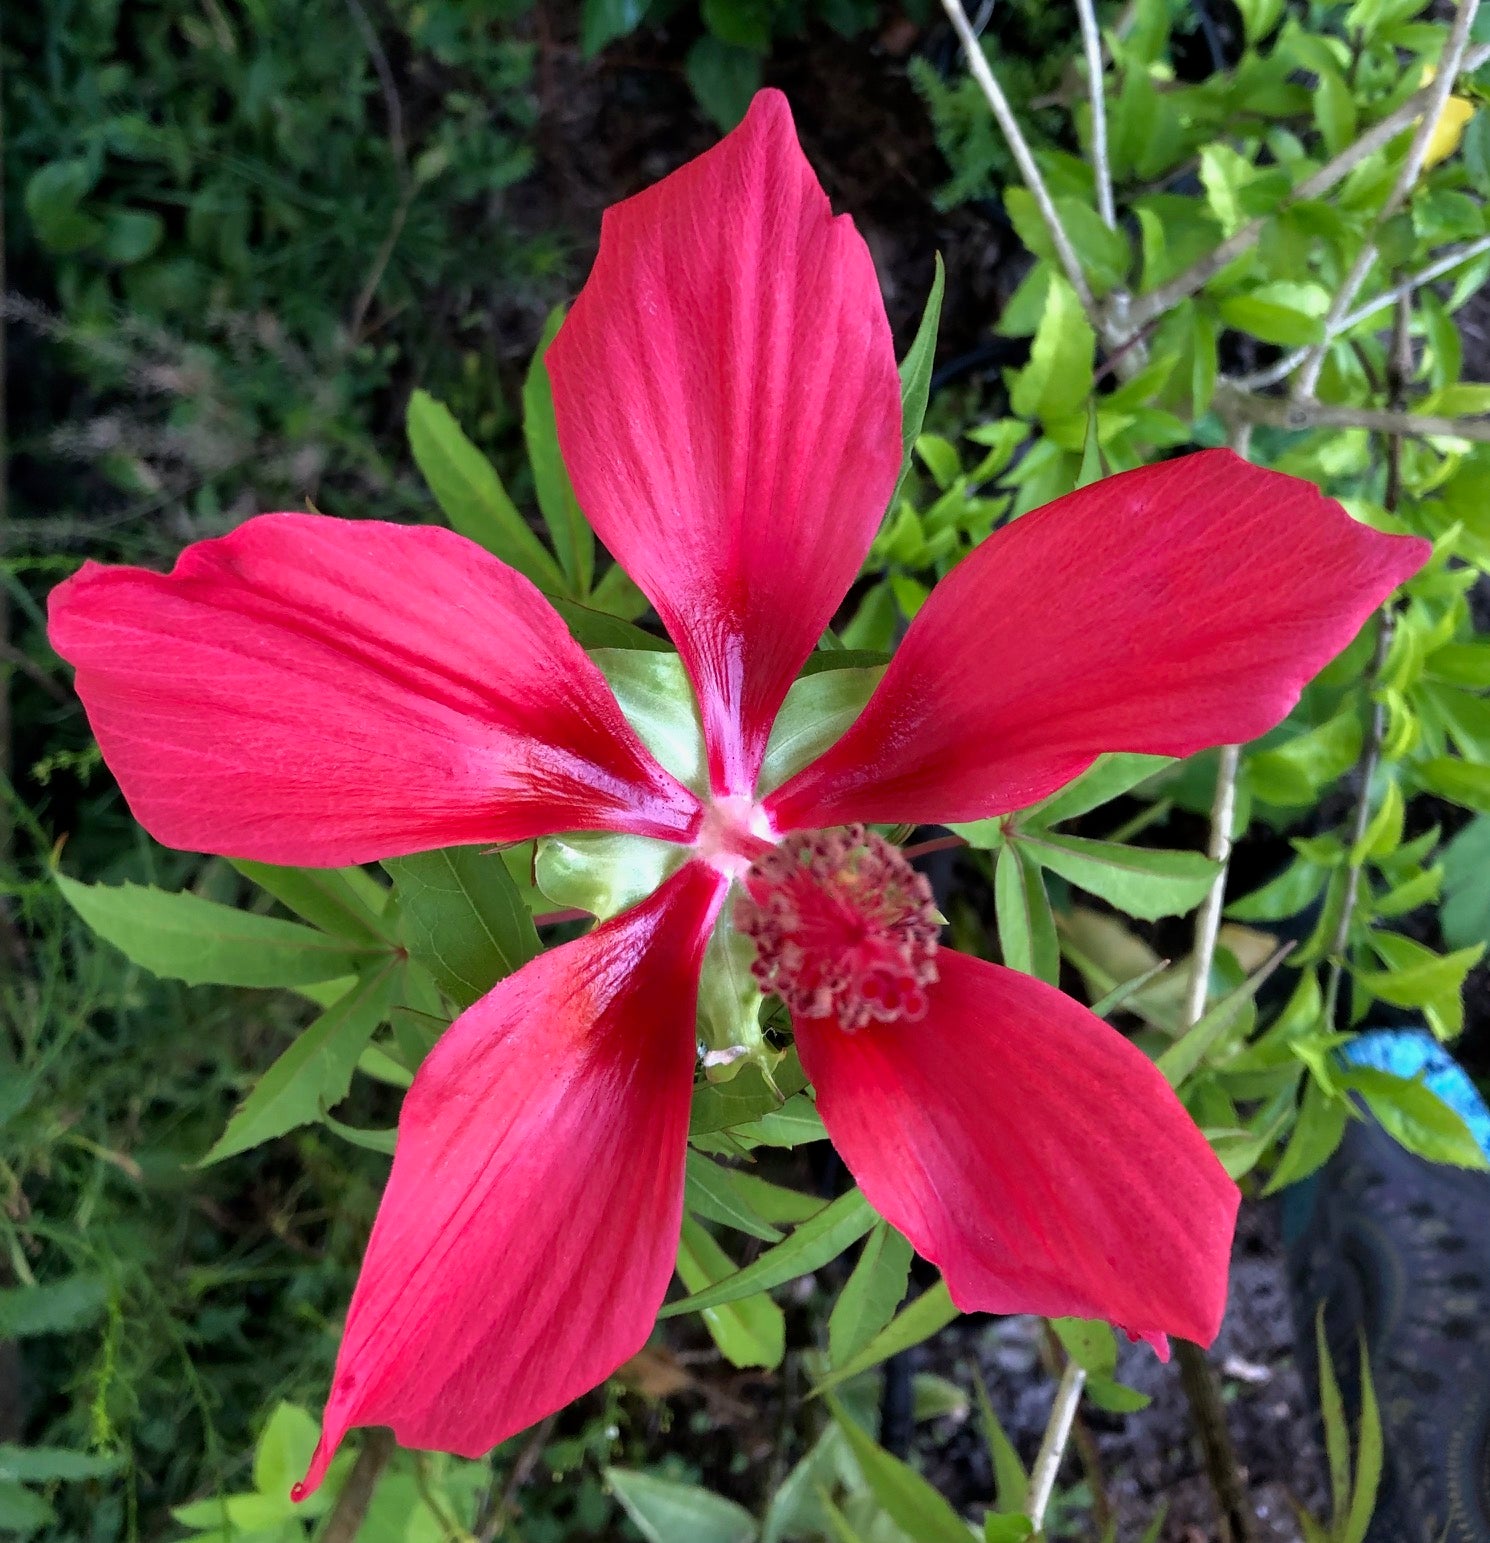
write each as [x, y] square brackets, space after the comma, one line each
[843, 927]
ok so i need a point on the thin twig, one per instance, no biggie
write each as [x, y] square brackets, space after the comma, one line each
[1092, 41]
[1399, 370]
[1055, 1358]
[1439, 268]
[1208, 917]
[1148, 308]
[1197, 1376]
[1024, 158]
[491, 1527]
[346, 1519]
[1276, 413]
[1053, 1444]
[1412, 168]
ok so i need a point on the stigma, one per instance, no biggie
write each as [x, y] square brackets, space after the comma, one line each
[843, 927]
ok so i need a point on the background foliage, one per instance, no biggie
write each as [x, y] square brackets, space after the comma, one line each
[246, 268]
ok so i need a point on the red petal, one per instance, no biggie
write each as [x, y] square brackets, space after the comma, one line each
[530, 1225]
[320, 691]
[1032, 1152]
[1163, 610]
[729, 411]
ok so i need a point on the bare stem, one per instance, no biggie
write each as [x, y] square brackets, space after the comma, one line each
[1024, 158]
[1208, 1412]
[1412, 168]
[1276, 413]
[345, 1521]
[1159, 302]
[1053, 1443]
[1439, 268]
[1208, 917]
[1091, 39]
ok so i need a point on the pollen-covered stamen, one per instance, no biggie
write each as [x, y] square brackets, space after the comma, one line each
[843, 927]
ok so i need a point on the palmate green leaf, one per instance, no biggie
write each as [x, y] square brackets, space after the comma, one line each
[1142, 881]
[346, 902]
[749, 1331]
[573, 539]
[314, 1073]
[462, 919]
[810, 1246]
[667, 1512]
[915, 374]
[928, 1314]
[911, 1503]
[871, 1294]
[470, 493]
[183, 937]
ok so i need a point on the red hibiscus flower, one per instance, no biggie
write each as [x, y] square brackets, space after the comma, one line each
[313, 691]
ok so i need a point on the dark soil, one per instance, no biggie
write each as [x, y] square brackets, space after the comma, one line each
[1149, 1458]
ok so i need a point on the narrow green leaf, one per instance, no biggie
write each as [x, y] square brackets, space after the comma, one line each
[1026, 924]
[750, 1331]
[313, 1074]
[470, 493]
[1191, 1048]
[912, 1504]
[1142, 881]
[810, 1246]
[462, 919]
[44, 1465]
[1336, 1431]
[592, 628]
[1108, 777]
[931, 1312]
[183, 937]
[915, 374]
[1321, 1124]
[22, 1512]
[710, 1191]
[726, 1105]
[333, 899]
[664, 1511]
[1370, 1454]
[871, 1294]
[1011, 1482]
[53, 1307]
[573, 539]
